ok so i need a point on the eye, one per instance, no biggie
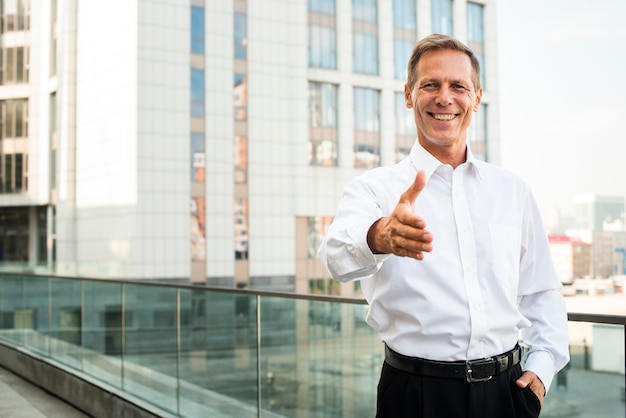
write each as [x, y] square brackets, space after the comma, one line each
[430, 86]
[459, 87]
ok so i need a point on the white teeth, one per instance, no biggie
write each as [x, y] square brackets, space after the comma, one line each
[443, 117]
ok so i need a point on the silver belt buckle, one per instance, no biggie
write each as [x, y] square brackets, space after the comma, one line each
[469, 364]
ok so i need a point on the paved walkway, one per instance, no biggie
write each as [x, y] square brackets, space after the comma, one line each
[21, 399]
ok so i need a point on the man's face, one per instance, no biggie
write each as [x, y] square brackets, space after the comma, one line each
[443, 100]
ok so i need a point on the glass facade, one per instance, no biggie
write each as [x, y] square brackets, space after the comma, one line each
[477, 133]
[476, 36]
[404, 127]
[241, 208]
[322, 47]
[365, 37]
[366, 127]
[442, 17]
[322, 124]
[197, 146]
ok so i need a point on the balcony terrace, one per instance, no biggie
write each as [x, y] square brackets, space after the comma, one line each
[127, 348]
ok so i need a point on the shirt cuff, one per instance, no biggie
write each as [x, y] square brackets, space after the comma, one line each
[542, 364]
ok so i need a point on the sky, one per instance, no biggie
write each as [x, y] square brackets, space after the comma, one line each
[562, 79]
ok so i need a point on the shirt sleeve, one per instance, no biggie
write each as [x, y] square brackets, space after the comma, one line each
[344, 251]
[541, 301]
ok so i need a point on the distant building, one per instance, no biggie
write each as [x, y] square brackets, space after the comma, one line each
[207, 141]
[592, 211]
[571, 257]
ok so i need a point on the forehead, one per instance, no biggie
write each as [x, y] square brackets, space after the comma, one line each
[445, 64]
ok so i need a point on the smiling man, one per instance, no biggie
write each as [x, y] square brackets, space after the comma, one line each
[453, 260]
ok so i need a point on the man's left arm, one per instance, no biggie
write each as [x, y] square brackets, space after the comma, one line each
[541, 302]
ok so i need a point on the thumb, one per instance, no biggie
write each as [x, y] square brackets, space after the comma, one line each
[415, 189]
[521, 382]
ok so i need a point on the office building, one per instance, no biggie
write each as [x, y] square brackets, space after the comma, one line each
[207, 141]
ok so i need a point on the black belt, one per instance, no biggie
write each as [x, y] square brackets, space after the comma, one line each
[479, 370]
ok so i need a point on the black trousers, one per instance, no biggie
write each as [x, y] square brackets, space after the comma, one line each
[404, 395]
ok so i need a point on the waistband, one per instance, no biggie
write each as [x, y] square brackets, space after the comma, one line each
[479, 370]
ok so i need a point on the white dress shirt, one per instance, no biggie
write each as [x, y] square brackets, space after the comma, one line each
[488, 276]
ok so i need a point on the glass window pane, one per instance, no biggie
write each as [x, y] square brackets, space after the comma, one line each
[364, 10]
[197, 93]
[322, 47]
[442, 16]
[401, 53]
[404, 117]
[197, 30]
[322, 6]
[404, 14]
[365, 53]
[241, 35]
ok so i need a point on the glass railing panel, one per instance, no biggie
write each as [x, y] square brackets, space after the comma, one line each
[218, 358]
[592, 384]
[150, 358]
[318, 359]
[65, 334]
[102, 331]
[34, 318]
[15, 321]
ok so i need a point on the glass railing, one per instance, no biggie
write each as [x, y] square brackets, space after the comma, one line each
[196, 352]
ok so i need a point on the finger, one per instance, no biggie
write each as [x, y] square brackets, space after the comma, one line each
[416, 188]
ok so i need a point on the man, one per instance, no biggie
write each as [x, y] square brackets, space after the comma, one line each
[453, 260]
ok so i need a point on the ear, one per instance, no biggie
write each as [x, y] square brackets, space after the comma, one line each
[479, 96]
[407, 97]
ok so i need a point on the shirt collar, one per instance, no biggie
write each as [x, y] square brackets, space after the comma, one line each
[424, 160]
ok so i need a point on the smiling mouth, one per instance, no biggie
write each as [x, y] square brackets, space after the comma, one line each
[443, 116]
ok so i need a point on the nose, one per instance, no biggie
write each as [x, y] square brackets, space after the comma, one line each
[444, 98]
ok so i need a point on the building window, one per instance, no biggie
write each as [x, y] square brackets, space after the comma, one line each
[322, 124]
[405, 127]
[322, 47]
[401, 53]
[241, 35]
[404, 14]
[364, 37]
[322, 6]
[366, 127]
[364, 10]
[14, 118]
[477, 133]
[476, 36]
[197, 30]
[365, 53]
[197, 93]
[15, 65]
[442, 17]
[15, 15]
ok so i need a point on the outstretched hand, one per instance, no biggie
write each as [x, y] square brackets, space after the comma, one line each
[402, 232]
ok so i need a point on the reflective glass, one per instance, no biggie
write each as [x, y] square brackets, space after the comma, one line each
[66, 321]
[34, 317]
[322, 47]
[365, 53]
[366, 109]
[404, 14]
[322, 6]
[475, 31]
[197, 30]
[401, 53]
[241, 35]
[364, 10]
[197, 93]
[442, 16]
[218, 357]
[102, 331]
[150, 357]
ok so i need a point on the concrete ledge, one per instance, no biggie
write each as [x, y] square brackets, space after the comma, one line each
[93, 399]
